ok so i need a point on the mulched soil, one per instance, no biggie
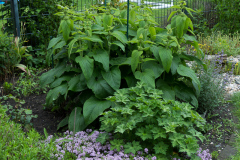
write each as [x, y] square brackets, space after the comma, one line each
[220, 127]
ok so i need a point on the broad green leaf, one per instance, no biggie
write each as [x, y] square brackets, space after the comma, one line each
[66, 29]
[63, 123]
[119, 44]
[135, 59]
[78, 120]
[113, 77]
[144, 133]
[49, 76]
[28, 111]
[142, 31]
[180, 24]
[70, 46]
[168, 93]
[102, 57]
[193, 58]
[93, 108]
[189, 38]
[59, 45]
[94, 38]
[53, 94]
[53, 42]
[188, 72]
[103, 137]
[166, 57]
[86, 64]
[154, 66]
[116, 144]
[155, 51]
[107, 21]
[99, 86]
[152, 31]
[170, 16]
[77, 83]
[120, 36]
[147, 77]
[131, 81]
[175, 63]
[58, 81]
[185, 93]
[118, 60]
[176, 139]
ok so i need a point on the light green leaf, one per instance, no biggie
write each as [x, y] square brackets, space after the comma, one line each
[102, 57]
[170, 16]
[107, 21]
[135, 59]
[86, 64]
[93, 108]
[113, 77]
[166, 57]
[152, 31]
[180, 24]
[155, 51]
[79, 120]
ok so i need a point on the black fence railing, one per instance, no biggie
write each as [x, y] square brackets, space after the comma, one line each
[13, 12]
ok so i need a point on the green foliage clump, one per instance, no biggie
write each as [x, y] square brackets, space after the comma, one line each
[95, 58]
[228, 15]
[141, 114]
[15, 144]
[11, 54]
[17, 113]
[28, 84]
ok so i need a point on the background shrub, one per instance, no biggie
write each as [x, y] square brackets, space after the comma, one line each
[228, 14]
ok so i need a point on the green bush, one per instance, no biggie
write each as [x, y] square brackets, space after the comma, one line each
[16, 145]
[95, 58]
[228, 15]
[11, 54]
[141, 114]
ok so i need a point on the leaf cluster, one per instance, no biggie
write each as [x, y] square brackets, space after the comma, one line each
[141, 114]
[96, 58]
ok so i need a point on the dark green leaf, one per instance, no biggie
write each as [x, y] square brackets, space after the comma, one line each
[147, 77]
[166, 57]
[102, 57]
[87, 65]
[77, 83]
[76, 115]
[154, 66]
[93, 108]
[113, 77]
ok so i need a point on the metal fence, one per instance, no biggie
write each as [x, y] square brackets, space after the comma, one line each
[161, 10]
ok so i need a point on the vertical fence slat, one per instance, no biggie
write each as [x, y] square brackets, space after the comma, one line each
[15, 14]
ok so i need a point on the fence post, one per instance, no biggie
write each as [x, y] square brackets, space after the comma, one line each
[15, 15]
[127, 22]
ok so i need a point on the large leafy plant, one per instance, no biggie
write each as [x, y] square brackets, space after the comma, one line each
[95, 58]
[141, 114]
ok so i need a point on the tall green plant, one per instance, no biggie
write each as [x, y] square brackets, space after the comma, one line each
[95, 58]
